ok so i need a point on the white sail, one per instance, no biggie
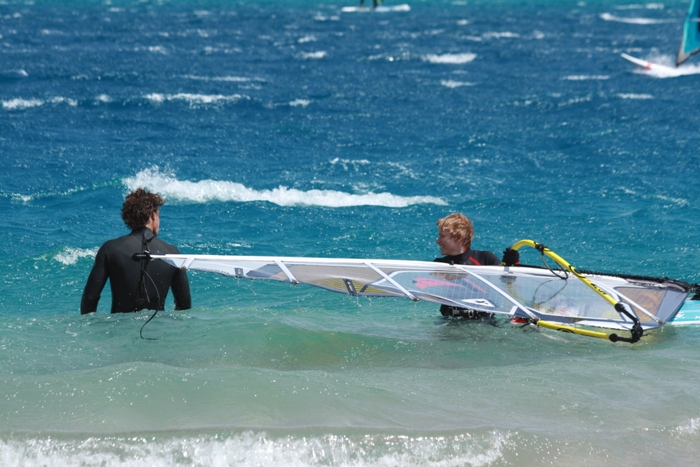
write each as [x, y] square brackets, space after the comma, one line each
[528, 292]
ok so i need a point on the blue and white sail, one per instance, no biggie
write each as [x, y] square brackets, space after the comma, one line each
[690, 41]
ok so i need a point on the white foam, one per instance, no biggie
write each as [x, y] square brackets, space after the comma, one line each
[62, 100]
[586, 77]
[648, 6]
[669, 69]
[499, 35]
[684, 70]
[204, 191]
[305, 39]
[260, 448]
[691, 427]
[193, 99]
[321, 17]
[346, 163]
[156, 97]
[450, 59]
[157, 49]
[71, 256]
[680, 202]
[642, 21]
[17, 73]
[576, 100]
[455, 84]
[300, 103]
[22, 198]
[18, 104]
[313, 55]
[234, 79]
[635, 96]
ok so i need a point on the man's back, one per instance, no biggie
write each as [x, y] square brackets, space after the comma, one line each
[114, 262]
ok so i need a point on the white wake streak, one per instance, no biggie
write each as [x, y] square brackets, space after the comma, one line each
[684, 70]
[668, 69]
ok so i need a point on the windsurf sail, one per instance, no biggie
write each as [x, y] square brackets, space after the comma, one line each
[560, 299]
[690, 41]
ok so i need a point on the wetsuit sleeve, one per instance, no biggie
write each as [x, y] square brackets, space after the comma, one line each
[181, 290]
[95, 283]
[491, 259]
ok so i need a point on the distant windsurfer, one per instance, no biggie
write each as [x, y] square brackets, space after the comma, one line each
[455, 235]
[375, 3]
[136, 283]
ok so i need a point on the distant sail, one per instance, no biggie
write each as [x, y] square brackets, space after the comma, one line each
[690, 42]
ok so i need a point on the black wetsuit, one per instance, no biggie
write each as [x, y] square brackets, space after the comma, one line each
[471, 257]
[114, 262]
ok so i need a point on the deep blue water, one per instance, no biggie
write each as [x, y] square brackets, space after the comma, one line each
[296, 129]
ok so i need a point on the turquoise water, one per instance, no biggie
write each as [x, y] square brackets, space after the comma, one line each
[295, 129]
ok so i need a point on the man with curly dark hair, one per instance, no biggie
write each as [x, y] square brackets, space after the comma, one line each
[136, 285]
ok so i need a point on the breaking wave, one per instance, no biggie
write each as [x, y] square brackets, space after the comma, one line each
[450, 59]
[203, 191]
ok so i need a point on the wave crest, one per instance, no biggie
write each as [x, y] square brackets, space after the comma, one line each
[450, 59]
[69, 256]
[204, 191]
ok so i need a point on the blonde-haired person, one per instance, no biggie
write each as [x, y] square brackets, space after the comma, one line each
[455, 235]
